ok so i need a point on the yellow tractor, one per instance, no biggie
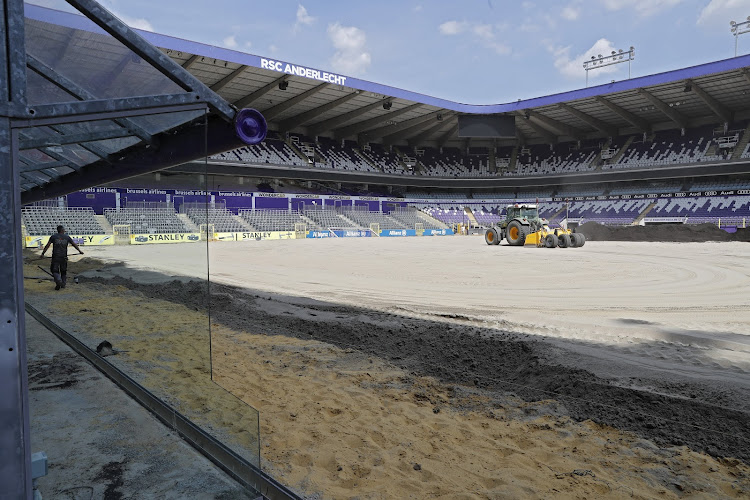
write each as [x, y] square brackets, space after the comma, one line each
[523, 226]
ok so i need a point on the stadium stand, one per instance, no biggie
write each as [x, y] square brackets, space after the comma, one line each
[328, 219]
[147, 219]
[222, 219]
[276, 220]
[43, 220]
[410, 217]
[364, 218]
[662, 148]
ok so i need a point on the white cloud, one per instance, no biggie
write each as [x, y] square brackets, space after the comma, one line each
[230, 42]
[720, 12]
[644, 8]
[134, 22]
[572, 67]
[351, 57]
[571, 12]
[453, 27]
[303, 18]
[484, 33]
[417, 8]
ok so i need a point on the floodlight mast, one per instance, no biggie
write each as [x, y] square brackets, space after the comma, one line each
[616, 57]
[738, 29]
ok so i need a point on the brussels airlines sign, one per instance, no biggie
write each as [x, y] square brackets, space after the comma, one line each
[291, 69]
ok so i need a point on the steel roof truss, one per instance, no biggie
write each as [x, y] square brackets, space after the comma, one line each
[403, 129]
[671, 113]
[228, 79]
[254, 96]
[635, 120]
[555, 126]
[359, 127]
[302, 118]
[598, 124]
[275, 111]
[418, 139]
[332, 123]
[718, 108]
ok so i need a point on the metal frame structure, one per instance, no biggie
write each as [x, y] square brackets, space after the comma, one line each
[738, 29]
[203, 122]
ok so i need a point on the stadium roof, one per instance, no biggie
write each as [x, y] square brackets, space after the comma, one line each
[320, 103]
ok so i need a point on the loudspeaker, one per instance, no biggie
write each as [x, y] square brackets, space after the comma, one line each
[250, 126]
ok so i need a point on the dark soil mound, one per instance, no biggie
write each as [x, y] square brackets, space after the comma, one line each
[663, 232]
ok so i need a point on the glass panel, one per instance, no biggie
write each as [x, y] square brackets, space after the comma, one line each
[140, 292]
[94, 61]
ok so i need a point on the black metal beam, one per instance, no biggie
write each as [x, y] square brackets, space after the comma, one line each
[189, 63]
[598, 124]
[254, 96]
[422, 136]
[554, 126]
[59, 140]
[548, 136]
[668, 110]
[332, 123]
[390, 130]
[216, 87]
[276, 110]
[626, 115]
[12, 59]
[356, 128]
[453, 132]
[724, 113]
[158, 59]
[302, 118]
[82, 94]
[144, 103]
[15, 459]
[416, 127]
[45, 166]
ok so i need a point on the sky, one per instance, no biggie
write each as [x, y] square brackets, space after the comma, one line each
[468, 51]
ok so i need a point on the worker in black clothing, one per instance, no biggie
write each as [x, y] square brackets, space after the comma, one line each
[59, 267]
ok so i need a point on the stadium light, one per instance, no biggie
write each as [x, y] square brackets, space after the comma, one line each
[616, 57]
[738, 29]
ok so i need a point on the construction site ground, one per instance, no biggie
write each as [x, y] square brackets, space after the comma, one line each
[413, 367]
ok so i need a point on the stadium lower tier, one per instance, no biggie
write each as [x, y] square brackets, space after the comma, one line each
[402, 218]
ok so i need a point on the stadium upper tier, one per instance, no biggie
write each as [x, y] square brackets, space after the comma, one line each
[665, 148]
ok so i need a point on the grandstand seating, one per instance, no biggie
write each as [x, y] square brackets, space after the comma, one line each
[365, 218]
[222, 219]
[43, 220]
[668, 147]
[147, 220]
[328, 219]
[275, 220]
[410, 218]
[271, 151]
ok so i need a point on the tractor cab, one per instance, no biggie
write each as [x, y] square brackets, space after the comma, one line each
[527, 212]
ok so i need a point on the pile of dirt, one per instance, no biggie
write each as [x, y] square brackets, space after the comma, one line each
[682, 233]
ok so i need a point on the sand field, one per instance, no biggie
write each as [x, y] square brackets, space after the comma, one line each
[359, 414]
